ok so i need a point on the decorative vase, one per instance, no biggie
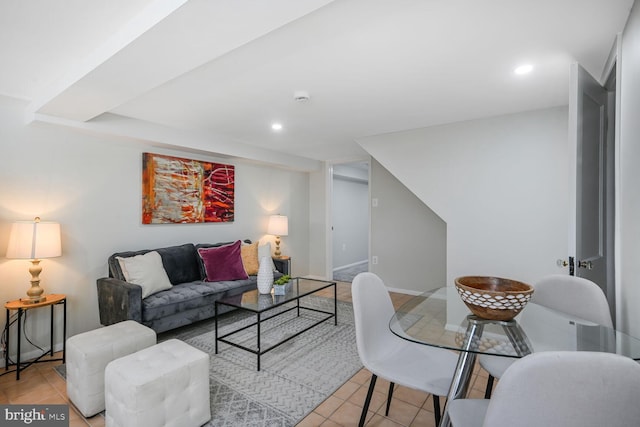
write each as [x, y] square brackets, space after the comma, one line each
[265, 276]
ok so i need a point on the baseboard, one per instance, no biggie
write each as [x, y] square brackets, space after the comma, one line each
[344, 267]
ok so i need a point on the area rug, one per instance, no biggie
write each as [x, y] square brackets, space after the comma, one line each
[294, 377]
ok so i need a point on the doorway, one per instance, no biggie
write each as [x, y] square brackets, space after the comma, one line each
[349, 219]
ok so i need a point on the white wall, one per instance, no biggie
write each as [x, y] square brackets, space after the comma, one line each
[92, 186]
[500, 184]
[320, 223]
[408, 238]
[630, 175]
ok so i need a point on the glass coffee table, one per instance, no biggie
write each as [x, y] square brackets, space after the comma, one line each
[270, 306]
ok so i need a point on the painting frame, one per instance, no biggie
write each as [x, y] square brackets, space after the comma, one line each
[177, 190]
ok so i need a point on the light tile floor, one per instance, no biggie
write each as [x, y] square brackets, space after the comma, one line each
[40, 384]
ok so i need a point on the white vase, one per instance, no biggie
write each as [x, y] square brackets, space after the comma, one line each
[265, 276]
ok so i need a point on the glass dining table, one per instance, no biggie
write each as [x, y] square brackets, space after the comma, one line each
[439, 318]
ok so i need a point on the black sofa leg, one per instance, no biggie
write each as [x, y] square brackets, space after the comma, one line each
[367, 401]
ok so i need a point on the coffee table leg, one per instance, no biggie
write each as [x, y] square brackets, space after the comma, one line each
[216, 323]
[258, 325]
[335, 304]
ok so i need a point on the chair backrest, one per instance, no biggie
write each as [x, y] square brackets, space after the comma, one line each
[575, 296]
[567, 389]
[372, 309]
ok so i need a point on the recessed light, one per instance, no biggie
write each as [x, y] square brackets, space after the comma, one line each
[276, 126]
[523, 69]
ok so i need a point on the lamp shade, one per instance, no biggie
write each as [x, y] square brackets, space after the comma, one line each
[278, 225]
[34, 240]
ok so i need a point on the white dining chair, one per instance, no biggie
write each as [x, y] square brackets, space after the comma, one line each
[558, 389]
[390, 357]
[573, 295]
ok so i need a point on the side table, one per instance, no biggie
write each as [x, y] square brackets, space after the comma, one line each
[284, 262]
[50, 300]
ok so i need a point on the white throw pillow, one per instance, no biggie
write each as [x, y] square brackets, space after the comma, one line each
[146, 271]
[265, 250]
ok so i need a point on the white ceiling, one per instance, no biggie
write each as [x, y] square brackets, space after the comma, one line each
[216, 73]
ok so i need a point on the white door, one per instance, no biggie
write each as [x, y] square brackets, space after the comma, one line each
[588, 119]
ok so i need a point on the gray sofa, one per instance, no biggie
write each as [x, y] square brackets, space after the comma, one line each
[189, 300]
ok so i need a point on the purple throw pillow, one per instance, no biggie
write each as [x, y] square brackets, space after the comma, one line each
[223, 263]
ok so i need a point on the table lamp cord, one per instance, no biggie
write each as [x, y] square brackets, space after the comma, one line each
[3, 339]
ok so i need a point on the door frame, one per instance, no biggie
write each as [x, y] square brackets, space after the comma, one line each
[611, 72]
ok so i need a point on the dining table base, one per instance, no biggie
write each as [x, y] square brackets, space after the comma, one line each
[467, 358]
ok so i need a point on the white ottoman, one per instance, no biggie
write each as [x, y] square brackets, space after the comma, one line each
[163, 385]
[88, 355]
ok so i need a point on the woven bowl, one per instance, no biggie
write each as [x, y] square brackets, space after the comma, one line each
[493, 298]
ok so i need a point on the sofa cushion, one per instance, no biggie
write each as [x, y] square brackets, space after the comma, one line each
[203, 273]
[249, 253]
[180, 262]
[193, 295]
[146, 271]
[223, 263]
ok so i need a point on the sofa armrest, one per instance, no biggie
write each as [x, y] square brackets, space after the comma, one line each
[118, 301]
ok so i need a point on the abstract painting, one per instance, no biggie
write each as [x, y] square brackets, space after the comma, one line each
[177, 190]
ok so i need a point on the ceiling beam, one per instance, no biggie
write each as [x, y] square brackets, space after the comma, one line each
[166, 40]
[53, 98]
[190, 141]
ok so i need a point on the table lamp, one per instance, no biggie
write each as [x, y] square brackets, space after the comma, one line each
[34, 240]
[278, 226]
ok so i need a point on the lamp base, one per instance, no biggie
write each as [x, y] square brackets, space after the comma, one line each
[35, 292]
[37, 300]
[277, 252]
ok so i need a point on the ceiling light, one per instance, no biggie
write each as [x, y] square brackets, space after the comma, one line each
[276, 126]
[523, 69]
